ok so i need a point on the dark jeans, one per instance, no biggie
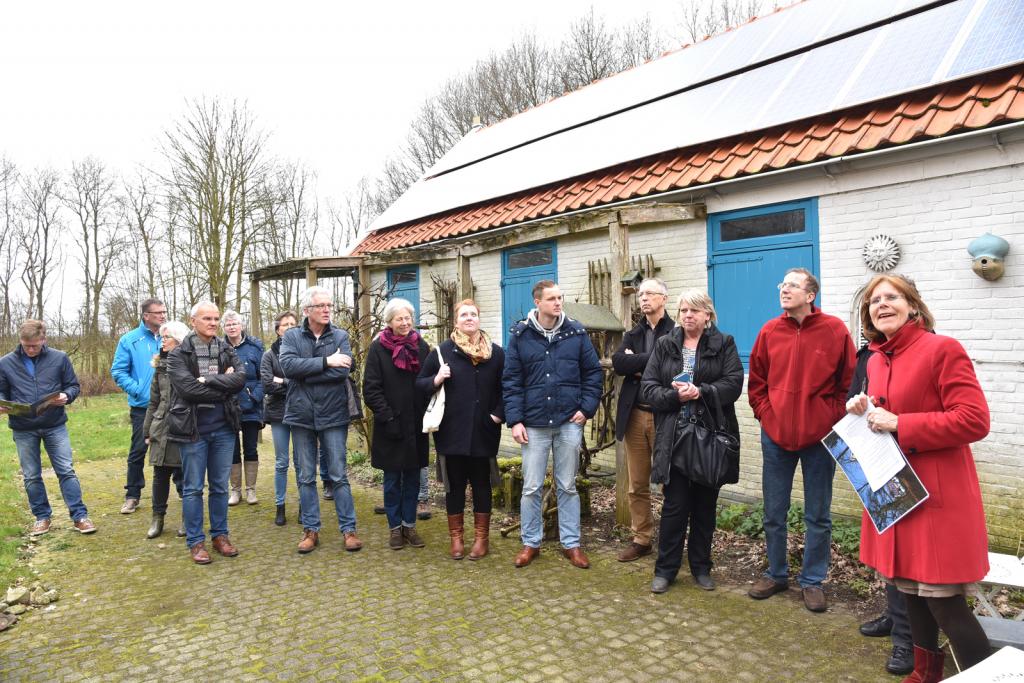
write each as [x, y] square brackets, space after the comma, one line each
[477, 472]
[162, 476]
[136, 480]
[247, 443]
[686, 504]
[401, 487]
[896, 608]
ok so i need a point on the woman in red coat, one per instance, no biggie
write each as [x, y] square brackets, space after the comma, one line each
[927, 395]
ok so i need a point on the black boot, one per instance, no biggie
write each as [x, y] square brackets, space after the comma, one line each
[279, 518]
[156, 527]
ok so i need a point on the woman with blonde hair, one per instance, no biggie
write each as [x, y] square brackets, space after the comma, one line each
[468, 365]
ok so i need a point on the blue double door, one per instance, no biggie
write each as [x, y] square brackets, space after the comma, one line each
[749, 253]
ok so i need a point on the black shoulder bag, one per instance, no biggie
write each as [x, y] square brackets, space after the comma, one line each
[708, 456]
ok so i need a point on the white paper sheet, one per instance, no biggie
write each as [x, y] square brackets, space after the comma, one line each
[878, 453]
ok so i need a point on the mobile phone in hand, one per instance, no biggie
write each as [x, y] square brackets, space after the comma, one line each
[683, 376]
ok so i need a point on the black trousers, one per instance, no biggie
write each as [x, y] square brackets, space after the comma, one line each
[247, 443]
[686, 505]
[477, 472]
[162, 476]
[136, 479]
[896, 608]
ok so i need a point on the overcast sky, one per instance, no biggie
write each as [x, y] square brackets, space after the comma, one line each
[335, 83]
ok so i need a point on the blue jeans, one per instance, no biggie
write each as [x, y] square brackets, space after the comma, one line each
[401, 487]
[563, 443]
[818, 469]
[282, 435]
[423, 495]
[207, 458]
[332, 442]
[58, 448]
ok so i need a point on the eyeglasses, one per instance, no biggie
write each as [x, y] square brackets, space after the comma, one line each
[788, 285]
[321, 307]
[164, 312]
[887, 298]
[651, 294]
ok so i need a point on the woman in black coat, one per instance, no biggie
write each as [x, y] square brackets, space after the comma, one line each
[399, 446]
[710, 358]
[470, 369]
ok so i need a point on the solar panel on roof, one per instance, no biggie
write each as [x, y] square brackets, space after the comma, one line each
[909, 53]
[997, 39]
[899, 57]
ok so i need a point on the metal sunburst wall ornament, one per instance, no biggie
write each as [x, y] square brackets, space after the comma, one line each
[881, 253]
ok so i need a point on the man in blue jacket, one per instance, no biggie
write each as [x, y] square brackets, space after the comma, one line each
[34, 374]
[133, 372]
[551, 386]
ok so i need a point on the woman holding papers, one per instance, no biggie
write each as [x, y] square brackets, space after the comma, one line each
[694, 361]
[924, 391]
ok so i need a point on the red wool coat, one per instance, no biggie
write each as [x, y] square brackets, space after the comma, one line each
[928, 381]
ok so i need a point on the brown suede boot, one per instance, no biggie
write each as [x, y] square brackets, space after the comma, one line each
[455, 530]
[481, 535]
[928, 666]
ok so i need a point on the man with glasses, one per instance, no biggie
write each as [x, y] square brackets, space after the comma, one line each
[634, 420]
[133, 372]
[43, 378]
[800, 369]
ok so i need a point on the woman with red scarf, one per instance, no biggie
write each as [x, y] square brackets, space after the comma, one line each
[928, 397]
[399, 447]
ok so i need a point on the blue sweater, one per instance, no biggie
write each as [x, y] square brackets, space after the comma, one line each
[131, 368]
[53, 372]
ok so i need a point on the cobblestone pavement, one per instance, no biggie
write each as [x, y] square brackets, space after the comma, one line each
[131, 609]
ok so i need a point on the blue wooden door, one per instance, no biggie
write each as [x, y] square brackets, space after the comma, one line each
[521, 268]
[749, 253]
[404, 283]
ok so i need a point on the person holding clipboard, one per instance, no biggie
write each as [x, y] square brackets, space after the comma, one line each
[927, 395]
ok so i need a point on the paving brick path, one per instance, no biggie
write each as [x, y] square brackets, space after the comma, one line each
[131, 610]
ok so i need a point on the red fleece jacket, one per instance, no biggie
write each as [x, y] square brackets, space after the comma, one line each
[799, 375]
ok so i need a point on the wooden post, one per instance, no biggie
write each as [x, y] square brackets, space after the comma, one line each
[365, 307]
[618, 242]
[255, 317]
[310, 275]
[464, 277]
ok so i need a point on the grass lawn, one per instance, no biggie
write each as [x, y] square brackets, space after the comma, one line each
[99, 429]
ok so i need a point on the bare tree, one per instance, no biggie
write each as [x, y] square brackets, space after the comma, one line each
[37, 236]
[641, 42]
[139, 208]
[588, 53]
[216, 160]
[704, 18]
[8, 241]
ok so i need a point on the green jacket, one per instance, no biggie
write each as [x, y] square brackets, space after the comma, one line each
[162, 451]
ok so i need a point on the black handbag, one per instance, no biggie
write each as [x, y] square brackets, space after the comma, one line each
[707, 455]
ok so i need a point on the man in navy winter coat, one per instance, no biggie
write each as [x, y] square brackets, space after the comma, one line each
[551, 386]
[132, 369]
[28, 375]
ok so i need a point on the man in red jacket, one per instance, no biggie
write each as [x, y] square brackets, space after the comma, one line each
[800, 369]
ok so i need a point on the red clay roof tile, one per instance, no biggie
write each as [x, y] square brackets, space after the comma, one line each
[977, 102]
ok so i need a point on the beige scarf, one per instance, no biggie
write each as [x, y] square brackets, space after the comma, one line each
[478, 352]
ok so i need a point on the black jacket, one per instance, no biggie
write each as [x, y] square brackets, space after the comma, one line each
[273, 392]
[187, 390]
[317, 395]
[631, 366]
[472, 394]
[398, 439]
[718, 363]
[53, 373]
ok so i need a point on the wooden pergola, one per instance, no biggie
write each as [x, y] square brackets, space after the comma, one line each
[312, 269]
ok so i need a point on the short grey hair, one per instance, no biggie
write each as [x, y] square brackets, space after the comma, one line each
[306, 300]
[698, 298]
[657, 282]
[174, 328]
[395, 305]
[202, 304]
[230, 315]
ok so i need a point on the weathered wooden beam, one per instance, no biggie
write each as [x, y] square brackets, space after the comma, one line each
[662, 213]
[365, 307]
[464, 276]
[618, 244]
[255, 316]
[310, 275]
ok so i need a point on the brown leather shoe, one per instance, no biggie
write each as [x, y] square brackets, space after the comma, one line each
[85, 526]
[481, 535]
[310, 540]
[577, 557]
[634, 551]
[766, 587]
[527, 555]
[814, 599]
[411, 537]
[222, 544]
[199, 554]
[456, 529]
[352, 542]
[41, 527]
